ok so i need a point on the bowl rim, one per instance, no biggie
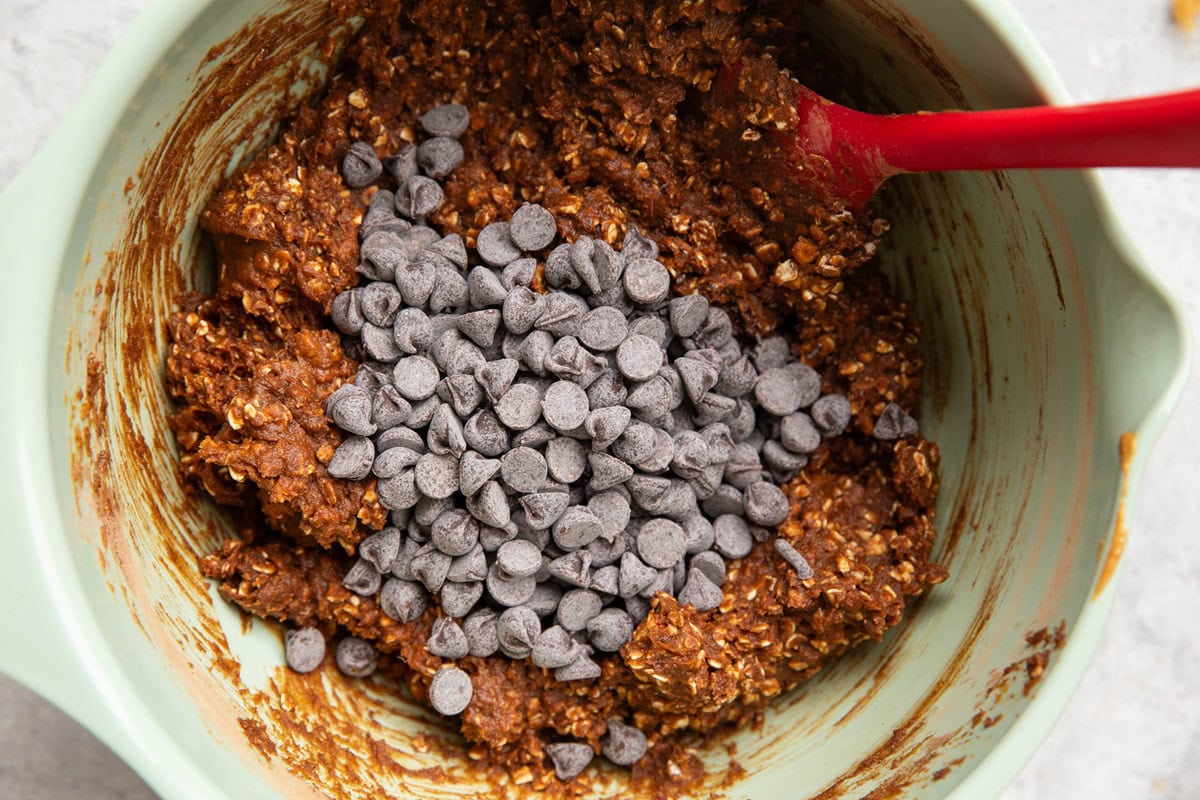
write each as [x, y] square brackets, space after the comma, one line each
[51, 618]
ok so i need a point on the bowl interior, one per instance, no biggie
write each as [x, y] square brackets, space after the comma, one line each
[1032, 320]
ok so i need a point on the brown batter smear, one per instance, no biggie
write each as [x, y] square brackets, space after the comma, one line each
[596, 111]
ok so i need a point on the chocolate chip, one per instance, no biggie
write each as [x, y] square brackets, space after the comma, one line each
[577, 527]
[447, 640]
[634, 575]
[544, 509]
[519, 408]
[379, 302]
[582, 254]
[491, 538]
[480, 326]
[445, 434]
[614, 297]
[652, 327]
[484, 434]
[455, 532]
[608, 389]
[415, 377]
[569, 758]
[496, 377]
[635, 444]
[565, 406]
[698, 377]
[779, 391]
[532, 227]
[490, 505]
[388, 408]
[519, 273]
[716, 331]
[624, 745]
[536, 348]
[772, 353]
[517, 630]
[450, 119]
[612, 508]
[544, 600]
[356, 657]
[638, 608]
[700, 592]
[831, 414]
[412, 331]
[725, 500]
[509, 591]
[418, 197]
[661, 455]
[737, 378]
[609, 266]
[452, 248]
[606, 580]
[651, 399]
[732, 536]
[607, 471]
[573, 569]
[495, 246]
[480, 630]
[465, 358]
[430, 566]
[402, 165]
[582, 668]
[523, 469]
[577, 608]
[303, 649]
[522, 308]
[350, 409]
[765, 503]
[519, 559]
[639, 357]
[346, 312]
[558, 270]
[474, 471]
[553, 648]
[380, 213]
[711, 564]
[484, 288]
[687, 313]
[637, 245]
[439, 156]
[450, 691]
[894, 424]
[399, 491]
[609, 630]
[360, 165]
[562, 314]
[352, 459]
[437, 475]
[566, 459]
[646, 281]
[363, 578]
[603, 329]
[463, 392]
[799, 434]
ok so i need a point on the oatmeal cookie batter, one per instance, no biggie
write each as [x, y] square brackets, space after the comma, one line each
[596, 111]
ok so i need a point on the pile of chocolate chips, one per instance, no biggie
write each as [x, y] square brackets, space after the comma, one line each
[551, 461]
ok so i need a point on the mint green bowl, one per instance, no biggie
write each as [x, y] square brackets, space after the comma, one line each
[1047, 339]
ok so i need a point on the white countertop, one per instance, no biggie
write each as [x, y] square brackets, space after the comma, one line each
[1133, 728]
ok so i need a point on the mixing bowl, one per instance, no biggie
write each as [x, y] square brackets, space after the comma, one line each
[1047, 342]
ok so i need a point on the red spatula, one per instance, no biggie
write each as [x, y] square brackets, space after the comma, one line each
[837, 152]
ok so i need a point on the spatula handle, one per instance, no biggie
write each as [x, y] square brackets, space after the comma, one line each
[1158, 131]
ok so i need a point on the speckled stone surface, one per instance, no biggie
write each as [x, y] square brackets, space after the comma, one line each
[1131, 731]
